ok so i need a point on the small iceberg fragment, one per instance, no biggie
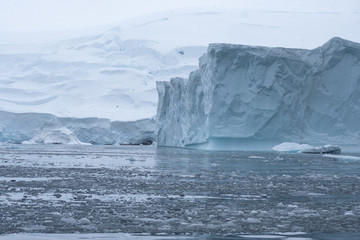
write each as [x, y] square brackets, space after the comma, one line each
[292, 147]
[343, 158]
[327, 149]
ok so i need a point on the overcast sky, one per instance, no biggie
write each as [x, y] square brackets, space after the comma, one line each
[43, 15]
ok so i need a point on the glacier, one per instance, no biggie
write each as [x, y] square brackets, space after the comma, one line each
[242, 95]
[40, 128]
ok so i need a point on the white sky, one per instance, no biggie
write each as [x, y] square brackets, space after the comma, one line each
[43, 15]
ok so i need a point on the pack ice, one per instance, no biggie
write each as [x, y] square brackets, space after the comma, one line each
[243, 94]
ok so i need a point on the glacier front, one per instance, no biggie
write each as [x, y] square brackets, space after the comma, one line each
[248, 94]
[41, 128]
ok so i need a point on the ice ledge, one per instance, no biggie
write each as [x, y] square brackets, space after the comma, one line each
[38, 128]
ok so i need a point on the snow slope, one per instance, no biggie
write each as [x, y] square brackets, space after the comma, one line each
[97, 76]
[265, 94]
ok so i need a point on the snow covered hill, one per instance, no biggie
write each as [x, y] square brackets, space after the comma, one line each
[258, 94]
[97, 76]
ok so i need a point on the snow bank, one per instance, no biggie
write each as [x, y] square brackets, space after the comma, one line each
[40, 128]
[265, 94]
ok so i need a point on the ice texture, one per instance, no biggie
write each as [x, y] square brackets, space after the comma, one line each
[265, 94]
[306, 148]
[38, 128]
[291, 147]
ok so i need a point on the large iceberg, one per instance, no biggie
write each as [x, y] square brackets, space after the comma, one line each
[247, 94]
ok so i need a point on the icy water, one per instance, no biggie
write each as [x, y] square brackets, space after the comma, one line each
[140, 192]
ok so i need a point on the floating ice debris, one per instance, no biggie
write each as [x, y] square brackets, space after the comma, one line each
[327, 149]
[252, 220]
[84, 221]
[343, 157]
[291, 147]
[349, 213]
[256, 157]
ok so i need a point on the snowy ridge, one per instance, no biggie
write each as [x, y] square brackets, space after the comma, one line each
[37, 128]
[105, 75]
[265, 94]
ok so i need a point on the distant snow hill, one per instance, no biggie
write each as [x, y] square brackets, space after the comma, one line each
[96, 76]
[243, 94]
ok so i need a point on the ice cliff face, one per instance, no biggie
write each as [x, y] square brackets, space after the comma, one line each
[265, 94]
[40, 128]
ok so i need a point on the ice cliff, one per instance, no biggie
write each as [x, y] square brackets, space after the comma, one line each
[260, 94]
[38, 128]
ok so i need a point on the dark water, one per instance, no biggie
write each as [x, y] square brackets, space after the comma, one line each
[178, 193]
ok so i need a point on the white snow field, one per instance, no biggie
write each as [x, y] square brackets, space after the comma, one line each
[262, 94]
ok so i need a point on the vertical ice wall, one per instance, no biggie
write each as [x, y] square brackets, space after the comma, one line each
[265, 94]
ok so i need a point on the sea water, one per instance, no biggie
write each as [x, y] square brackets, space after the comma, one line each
[145, 192]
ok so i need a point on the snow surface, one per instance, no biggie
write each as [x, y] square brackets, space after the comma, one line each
[265, 94]
[107, 73]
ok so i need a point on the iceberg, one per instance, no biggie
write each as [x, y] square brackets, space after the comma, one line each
[327, 149]
[261, 94]
[292, 147]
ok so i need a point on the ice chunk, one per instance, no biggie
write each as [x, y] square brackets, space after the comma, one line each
[84, 221]
[291, 147]
[306, 148]
[327, 149]
[344, 158]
